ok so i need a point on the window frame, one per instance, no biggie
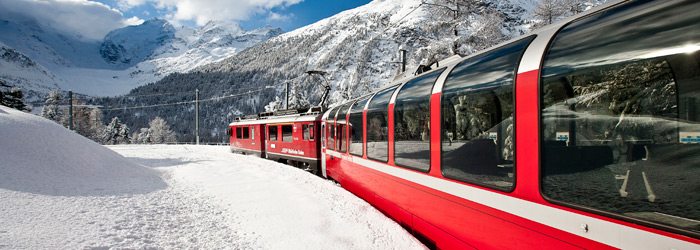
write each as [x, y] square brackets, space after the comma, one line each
[366, 100]
[515, 78]
[366, 140]
[343, 132]
[430, 95]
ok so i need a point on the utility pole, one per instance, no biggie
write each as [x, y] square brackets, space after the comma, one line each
[403, 60]
[70, 110]
[196, 114]
[286, 96]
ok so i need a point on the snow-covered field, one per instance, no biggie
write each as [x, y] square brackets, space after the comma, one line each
[61, 191]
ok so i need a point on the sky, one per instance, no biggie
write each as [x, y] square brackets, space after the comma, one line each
[250, 14]
[93, 19]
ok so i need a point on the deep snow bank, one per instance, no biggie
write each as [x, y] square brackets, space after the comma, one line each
[42, 157]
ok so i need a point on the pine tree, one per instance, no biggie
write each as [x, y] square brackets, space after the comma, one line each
[51, 108]
[13, 98]
[115, 133]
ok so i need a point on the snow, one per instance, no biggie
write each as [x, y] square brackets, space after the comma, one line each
[59, 190]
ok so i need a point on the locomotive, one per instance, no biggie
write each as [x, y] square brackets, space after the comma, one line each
[583, 134]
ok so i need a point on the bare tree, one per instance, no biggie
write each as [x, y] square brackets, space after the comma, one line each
[548, 11]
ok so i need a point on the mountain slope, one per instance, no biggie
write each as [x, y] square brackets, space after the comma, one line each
[358, 49]
[126, 58]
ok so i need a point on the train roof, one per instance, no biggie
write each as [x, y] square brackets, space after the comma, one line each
[283, 116]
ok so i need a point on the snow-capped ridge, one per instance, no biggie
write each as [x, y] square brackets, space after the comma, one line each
[133, 44]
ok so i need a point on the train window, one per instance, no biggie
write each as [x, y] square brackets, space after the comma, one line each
[331, 131]
[287, 133]
[331, 136]
[252, 133]
[305, 132]
[412, 122]
[272, 131]
[246, 133]
[620, 124]
[356, 126]
[477, 118]
[311, 132]
[377, 125]
[238, 133]
[342, 140]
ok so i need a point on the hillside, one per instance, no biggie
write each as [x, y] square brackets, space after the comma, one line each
[358, 49]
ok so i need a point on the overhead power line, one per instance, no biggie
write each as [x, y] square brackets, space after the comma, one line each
[183, 102]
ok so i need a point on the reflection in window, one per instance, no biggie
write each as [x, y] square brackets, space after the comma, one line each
[331, 128]
[331, 136]
[341, 140]
[477, 115]
[412, 122]
[620, 126]
[356, 126]
[272, 131]
[308, 132]
[287, 133]
[377, 125]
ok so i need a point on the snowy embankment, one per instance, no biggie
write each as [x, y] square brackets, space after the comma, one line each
[61, 191]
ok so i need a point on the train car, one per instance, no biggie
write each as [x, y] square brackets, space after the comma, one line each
[583, 134]
[247, 137]
[288, 136]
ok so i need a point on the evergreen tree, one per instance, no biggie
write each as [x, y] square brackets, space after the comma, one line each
[51, 109]
[143, 136]
[115, 133]
[13, 98]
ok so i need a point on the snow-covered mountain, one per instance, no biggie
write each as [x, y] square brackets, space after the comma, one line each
[358, 48]
[126, 58]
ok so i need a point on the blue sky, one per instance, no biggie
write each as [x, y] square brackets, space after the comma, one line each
[286, 14]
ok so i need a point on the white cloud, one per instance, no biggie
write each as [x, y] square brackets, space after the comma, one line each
[128, 4]
[278, 17]
[203, 11]
[84, 19]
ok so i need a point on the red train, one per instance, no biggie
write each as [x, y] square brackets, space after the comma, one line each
[585, 134]
[288, 136]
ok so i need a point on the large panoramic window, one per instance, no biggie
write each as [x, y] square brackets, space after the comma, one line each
[341, 122]
[331, 128]
[377, 125]
[357, 126]
[412, 122]
[620, 123]
[477, 117]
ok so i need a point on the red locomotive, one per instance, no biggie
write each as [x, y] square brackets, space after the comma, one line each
[288, 136]
[585, 134]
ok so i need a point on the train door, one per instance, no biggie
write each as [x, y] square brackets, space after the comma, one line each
[323, 149]
[262, 140]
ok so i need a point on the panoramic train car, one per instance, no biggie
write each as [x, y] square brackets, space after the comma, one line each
[584, 134]
[288, 136]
